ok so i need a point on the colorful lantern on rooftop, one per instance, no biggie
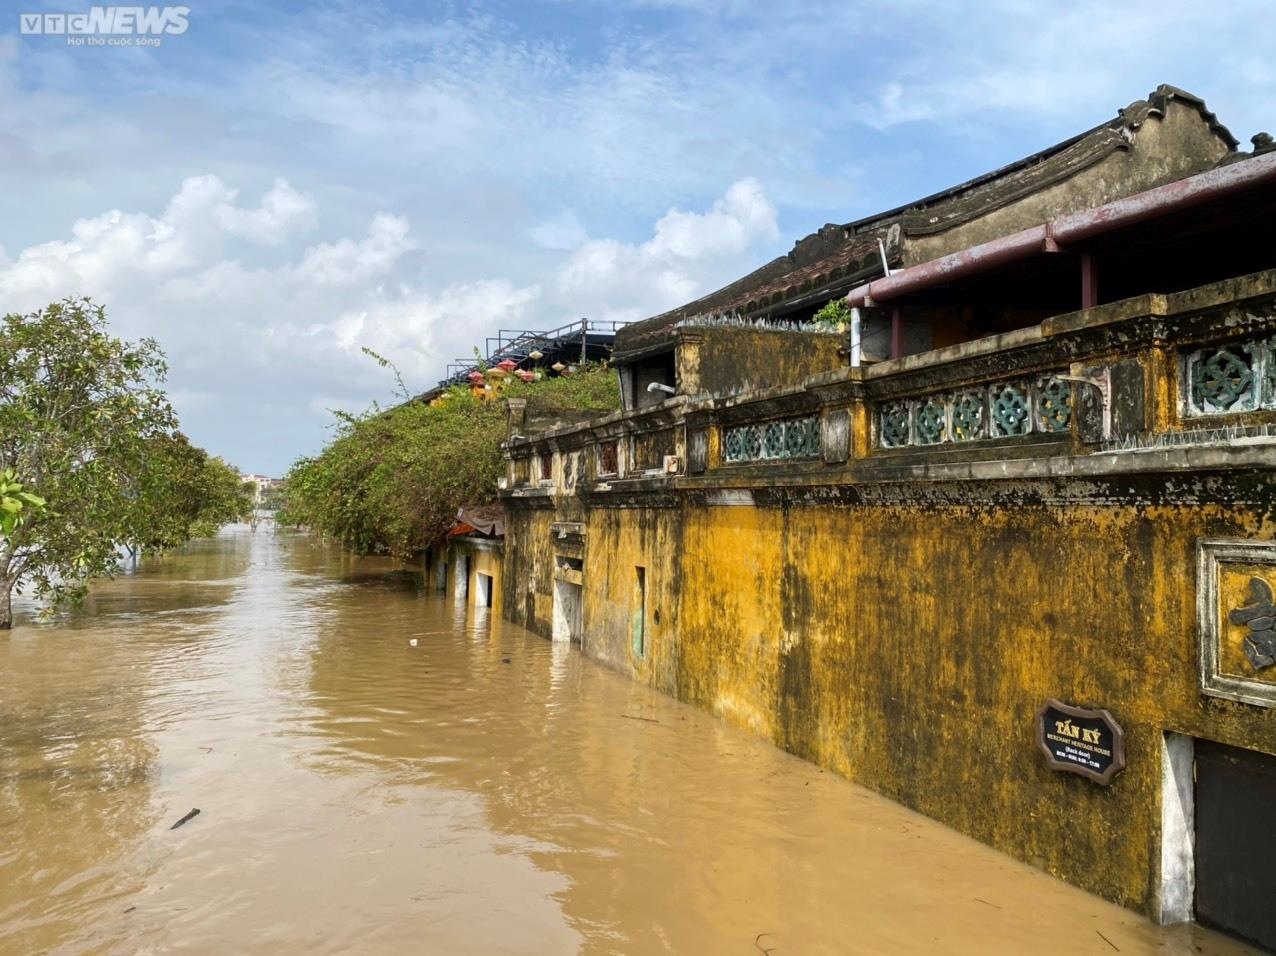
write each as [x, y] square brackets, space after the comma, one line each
[558, 366]
[526, 376]
[535, 355]
[476, 377]
[507, 364]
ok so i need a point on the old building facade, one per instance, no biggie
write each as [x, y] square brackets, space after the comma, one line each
[1039, 467]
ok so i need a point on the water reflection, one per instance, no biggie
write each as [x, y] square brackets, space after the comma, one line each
[481, 791]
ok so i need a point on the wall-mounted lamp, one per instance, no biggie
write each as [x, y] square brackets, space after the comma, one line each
[661, 387]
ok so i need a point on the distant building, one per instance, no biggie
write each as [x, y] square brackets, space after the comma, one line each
[264, 487]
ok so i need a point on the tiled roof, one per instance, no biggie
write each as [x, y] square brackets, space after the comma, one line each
[830, 256]
[829, 262]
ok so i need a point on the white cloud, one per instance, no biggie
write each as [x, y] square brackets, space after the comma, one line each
[563, 231]
[107, 252]
[275, 338]
[422, 332]
[687, 254]
[101, 251]
[738, 219]
[1010, 58]
[348, 261]
[282, 212]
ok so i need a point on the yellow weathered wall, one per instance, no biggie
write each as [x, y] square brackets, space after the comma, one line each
[909, 648]
[618, 541]
[901, 619]
[527, 591]
[730, 360]
[487, 561]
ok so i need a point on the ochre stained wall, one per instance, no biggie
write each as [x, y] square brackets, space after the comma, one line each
[618, 542]
[486, 560]
[527, 592]
[729, 360]
[909, 647]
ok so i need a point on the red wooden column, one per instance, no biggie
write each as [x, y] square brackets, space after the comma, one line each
[1089, 281]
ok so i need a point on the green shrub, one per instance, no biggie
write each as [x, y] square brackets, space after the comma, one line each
[393, 481]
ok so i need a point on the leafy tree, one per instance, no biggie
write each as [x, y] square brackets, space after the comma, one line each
[181, 493]
[87, 438]
[393, 481]
[16, 505]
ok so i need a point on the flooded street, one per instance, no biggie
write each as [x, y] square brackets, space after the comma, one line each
[481, 792]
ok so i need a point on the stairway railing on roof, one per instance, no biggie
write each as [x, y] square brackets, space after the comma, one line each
[518, 344]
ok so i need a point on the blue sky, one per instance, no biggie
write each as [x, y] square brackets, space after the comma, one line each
[282, 184]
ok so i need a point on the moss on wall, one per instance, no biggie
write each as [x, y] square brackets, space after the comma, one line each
[527, 591]
[730, 360]
[618, 542]
[910, 647]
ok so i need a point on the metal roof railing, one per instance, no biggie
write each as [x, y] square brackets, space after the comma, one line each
[518, 344]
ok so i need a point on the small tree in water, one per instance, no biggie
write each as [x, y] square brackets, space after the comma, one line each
[89, 437]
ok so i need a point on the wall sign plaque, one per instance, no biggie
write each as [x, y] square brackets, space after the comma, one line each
[1076, 740]
[1236, 620]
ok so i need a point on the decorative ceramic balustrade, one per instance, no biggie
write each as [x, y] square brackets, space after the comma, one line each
[1233, 378]
[786, 439]
[1004, 410]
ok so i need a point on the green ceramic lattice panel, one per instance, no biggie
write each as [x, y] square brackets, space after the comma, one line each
[1010, 410]
[1223, 379]
[1054, 406]
[787, 439]
[931, 421]
[968, 416]
[894, 430]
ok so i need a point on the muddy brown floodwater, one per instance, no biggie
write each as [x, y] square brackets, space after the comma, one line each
[481, 792]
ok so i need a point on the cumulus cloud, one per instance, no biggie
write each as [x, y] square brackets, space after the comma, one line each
[102, 250]
[686, 253]
[277, 341]
[349, 261]
[107, 252]
[424, 331]
[282, 212]
[563, 231]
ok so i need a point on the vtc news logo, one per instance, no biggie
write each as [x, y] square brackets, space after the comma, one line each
[141, 26]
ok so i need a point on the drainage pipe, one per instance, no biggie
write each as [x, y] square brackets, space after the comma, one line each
[857, 337]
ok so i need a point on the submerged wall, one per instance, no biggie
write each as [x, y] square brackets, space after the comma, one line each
[909, 648]
[469, 568]
[528, 592]
[840, 570]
